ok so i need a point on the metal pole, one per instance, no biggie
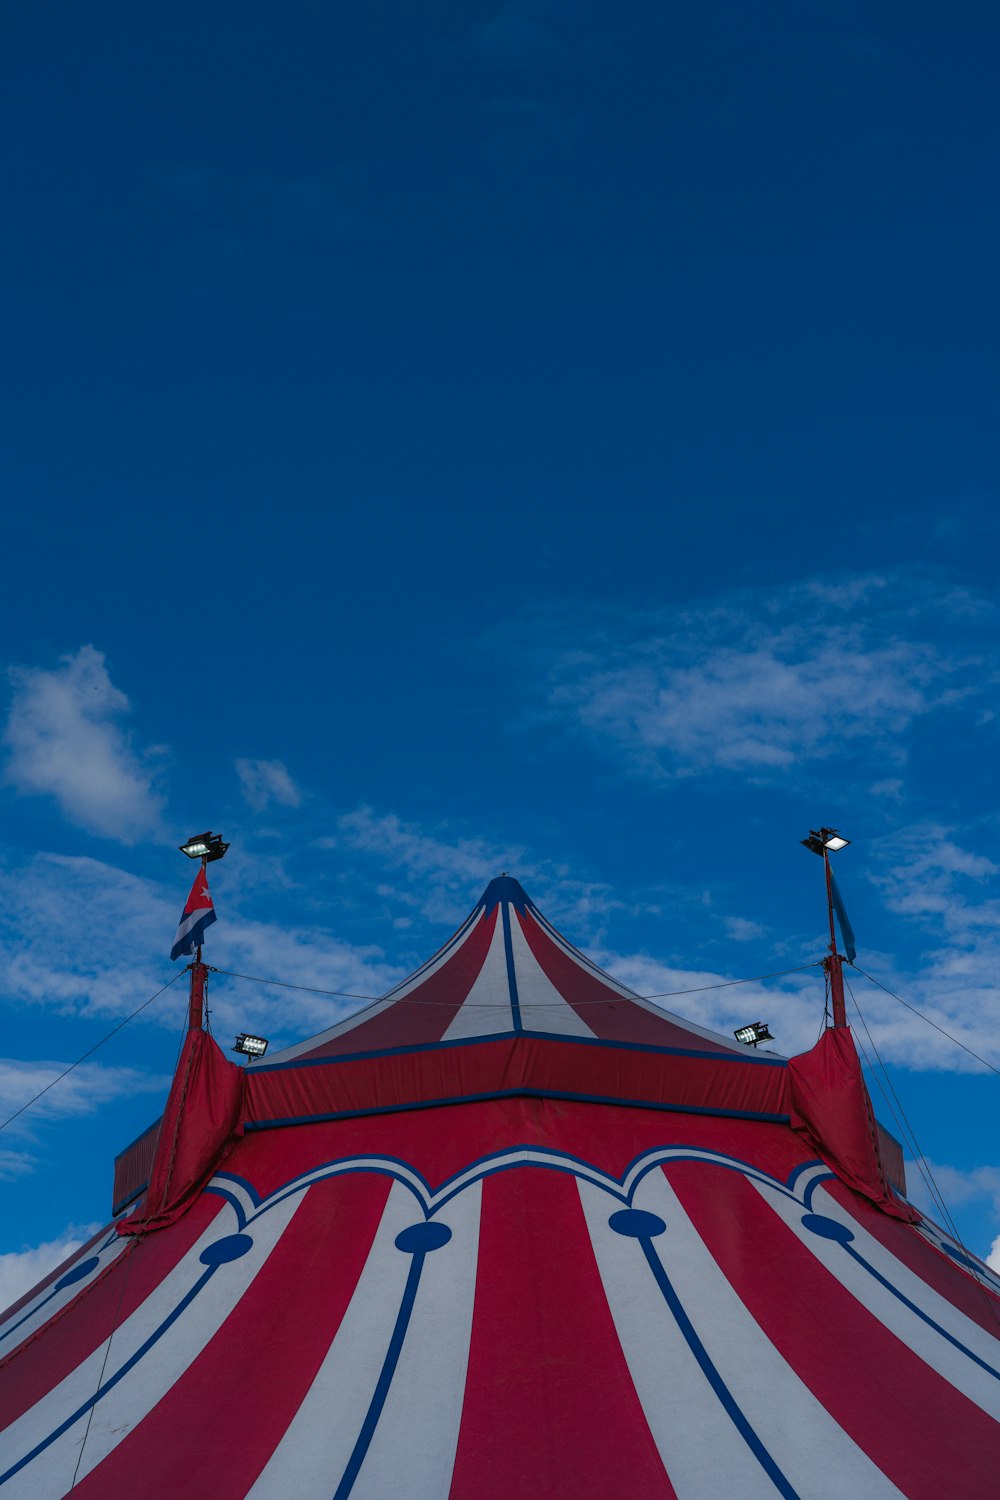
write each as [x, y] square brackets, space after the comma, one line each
[196, 1004]
[832, 964]
[199, 973]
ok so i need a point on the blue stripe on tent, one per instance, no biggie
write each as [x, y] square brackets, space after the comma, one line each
[508, 948]
[715, 1380]
[119, 1374]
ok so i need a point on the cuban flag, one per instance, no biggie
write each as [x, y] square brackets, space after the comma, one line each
[198, 914]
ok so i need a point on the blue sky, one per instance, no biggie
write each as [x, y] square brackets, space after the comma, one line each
[517, 436]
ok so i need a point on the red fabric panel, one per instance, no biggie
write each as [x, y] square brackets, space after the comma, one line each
[938, 1270]
[890, 1154]
[831, 1110]
[425, 1014]
[133, 1166]
[928, 1438]
[550, 1408]
[442, 1142]
[85, 1323]
[204, 1113]
[275, 1341]
[605, 1011]
[515, 1062]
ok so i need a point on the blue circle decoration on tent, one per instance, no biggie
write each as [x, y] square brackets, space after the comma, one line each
[78, 1272]
[419, 1238]
[637, 1223]
[827, 1229]
[229, 1248]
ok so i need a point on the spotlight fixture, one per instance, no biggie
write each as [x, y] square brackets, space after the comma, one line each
[756, 1032]
[825, 841]
[251, 1046]
[206, 846]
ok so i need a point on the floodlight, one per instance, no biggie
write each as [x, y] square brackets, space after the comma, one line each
[756, 1032]
[252, 1046]
[206, 846]
[825, 841]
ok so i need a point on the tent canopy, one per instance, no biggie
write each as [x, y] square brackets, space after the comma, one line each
[511, 1230]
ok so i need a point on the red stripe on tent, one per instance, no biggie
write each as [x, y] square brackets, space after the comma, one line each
[237, 1399]
[550, 1408]
[40, 1363]
[933, 1266]
[608, 1015]
[425, 1014]
[910, 1421]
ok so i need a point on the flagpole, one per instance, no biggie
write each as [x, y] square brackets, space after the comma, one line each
[197, 914]
[199, 973]
[832, 964]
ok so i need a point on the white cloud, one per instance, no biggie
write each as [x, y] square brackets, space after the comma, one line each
[447, 874]
[792, 1007]
[742, 930]
[20, 1270]
[963, 1189]
[50, 956]
[945, 890]
[265, 781]
[82, 1091]
[58, 915]
[64, 740]
[762, 681]
[15, 1164]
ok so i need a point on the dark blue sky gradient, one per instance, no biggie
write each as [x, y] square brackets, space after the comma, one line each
[375, 376]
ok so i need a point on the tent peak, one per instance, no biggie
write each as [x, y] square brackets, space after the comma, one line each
[505, 888]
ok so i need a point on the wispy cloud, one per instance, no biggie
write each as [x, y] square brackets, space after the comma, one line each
[758, 682]
[961, 1188]
[447, 870]
[50, 957]
[20, 1270]
[442, 870]
[265, 781]
[526, 31]
[82, 1091]
[64, 739]
[793, 1007]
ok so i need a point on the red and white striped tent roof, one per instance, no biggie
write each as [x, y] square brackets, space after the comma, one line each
[510, 1231]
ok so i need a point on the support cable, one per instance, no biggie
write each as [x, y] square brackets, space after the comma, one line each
[89, 1052]
[886, 990]
[697, 989]
[902, 1122]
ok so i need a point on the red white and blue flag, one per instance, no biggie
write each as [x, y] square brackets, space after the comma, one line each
[198, 914]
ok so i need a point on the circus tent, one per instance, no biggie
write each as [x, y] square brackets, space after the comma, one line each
[511, 1230]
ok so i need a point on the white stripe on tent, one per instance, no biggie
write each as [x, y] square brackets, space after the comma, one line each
[412, 1446]
[702, 1447]
[932, 1347]
[50, 1475]
[486, 1009]
[543, 1008]
[413, 1450]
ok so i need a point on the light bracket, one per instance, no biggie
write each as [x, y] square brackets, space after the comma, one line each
[825, 841]
[206, 846]
[251, 1046]
[757, 1031]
